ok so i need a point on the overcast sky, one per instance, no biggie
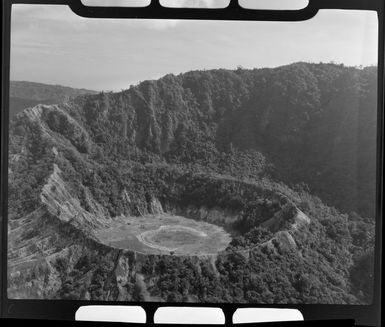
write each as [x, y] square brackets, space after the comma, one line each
[50, 44]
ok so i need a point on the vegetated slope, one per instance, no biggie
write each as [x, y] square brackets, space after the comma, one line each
[246, 149]
[315, 123]
[28, 94]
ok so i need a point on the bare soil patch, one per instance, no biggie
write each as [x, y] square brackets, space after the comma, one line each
[165, 234]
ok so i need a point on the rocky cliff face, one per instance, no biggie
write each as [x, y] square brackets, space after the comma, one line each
[286, 224]
[61, 204]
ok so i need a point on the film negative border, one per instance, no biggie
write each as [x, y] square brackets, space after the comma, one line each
[65, 309]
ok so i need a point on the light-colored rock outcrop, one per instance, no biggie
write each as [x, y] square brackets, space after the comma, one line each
[75, 135]
[285, 224]
[289, 214]
[63, 205]
[123, 276]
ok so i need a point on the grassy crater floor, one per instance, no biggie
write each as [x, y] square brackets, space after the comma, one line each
[165, 234]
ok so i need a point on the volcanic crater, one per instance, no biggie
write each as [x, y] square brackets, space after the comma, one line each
[165, 234]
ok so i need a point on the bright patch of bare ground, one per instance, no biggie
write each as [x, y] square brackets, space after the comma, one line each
[165, 234]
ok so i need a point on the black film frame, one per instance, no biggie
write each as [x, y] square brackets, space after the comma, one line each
[369, 315]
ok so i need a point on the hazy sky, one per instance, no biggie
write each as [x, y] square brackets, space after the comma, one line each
[50, 44]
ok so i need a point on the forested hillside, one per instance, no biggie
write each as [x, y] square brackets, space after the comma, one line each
[283, 159]
[315, 123]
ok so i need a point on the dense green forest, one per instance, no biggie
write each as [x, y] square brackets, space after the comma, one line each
[289, 153]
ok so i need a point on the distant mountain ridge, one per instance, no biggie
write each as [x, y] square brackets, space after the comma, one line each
[24, 94]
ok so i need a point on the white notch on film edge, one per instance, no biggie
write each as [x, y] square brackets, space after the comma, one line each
[116, 3]
[189, 315]
[252, 315]
[111, 313]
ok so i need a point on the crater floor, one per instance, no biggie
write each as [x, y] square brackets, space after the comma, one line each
[165, 234]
